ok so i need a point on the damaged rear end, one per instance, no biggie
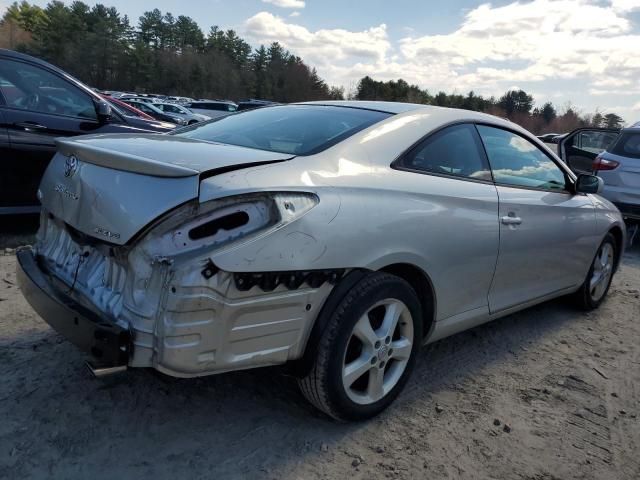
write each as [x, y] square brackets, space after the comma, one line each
[123, 268]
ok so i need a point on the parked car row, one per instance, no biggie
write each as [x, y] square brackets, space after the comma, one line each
[184, 110]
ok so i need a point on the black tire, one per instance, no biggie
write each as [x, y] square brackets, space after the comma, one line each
[583, 298]
[323, 386]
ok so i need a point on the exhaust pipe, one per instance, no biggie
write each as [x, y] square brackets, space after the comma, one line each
[99, 372]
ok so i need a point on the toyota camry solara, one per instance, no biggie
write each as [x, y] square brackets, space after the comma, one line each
[334, 237]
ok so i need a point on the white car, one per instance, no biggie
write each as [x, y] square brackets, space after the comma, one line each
[335, 237]
[212, 108]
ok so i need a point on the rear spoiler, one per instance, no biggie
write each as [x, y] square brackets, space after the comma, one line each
[122, 161]
[129, 162]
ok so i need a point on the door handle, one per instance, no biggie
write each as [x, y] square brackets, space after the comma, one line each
[511, 219]
[30, 126]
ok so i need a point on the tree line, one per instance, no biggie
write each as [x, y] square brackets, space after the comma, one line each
[165, 54]
[160, 54]
[516, 105]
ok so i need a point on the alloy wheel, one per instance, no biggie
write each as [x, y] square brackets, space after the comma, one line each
[378, 351]
[602, 271]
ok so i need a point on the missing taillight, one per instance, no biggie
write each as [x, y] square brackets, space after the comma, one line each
[227, 222]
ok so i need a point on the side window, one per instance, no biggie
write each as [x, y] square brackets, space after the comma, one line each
[593, 141]
[455, 150]
[27, 87]
[143, 107]
[516, 161]
[628, 145]
[168, 108]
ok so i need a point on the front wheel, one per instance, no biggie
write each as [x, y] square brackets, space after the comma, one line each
[595, 287]
[368, 349]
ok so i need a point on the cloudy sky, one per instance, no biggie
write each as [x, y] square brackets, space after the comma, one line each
[583, 51]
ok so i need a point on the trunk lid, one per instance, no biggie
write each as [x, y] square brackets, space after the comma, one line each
[112, 186]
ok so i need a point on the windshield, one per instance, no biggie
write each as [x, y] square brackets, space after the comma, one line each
[294, 129]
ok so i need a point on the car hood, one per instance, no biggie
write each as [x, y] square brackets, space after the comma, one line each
[163, 155]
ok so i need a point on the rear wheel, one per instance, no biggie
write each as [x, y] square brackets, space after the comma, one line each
[368, 349]
[595, 287]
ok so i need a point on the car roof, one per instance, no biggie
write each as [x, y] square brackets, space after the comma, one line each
[225, 102]
[11, 54]
[388, 107]
[438, 114]
[23, 56]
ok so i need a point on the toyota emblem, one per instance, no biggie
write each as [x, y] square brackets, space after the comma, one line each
[70, 166]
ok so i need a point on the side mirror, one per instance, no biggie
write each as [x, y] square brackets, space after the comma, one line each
[589, 184]
[103, 109]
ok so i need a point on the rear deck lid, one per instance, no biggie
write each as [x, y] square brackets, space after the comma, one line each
[112, 186]
[162, 155]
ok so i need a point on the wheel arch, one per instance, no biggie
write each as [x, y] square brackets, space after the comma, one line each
[423, 286]
[413, 275]
[618, 234]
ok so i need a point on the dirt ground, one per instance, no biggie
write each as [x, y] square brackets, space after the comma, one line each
[549, 393]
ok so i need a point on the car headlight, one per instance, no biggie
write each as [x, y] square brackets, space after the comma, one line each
[225, 222]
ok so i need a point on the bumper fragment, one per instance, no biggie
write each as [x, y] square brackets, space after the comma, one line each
[108, 343]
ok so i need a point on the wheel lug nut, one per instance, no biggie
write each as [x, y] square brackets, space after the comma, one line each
[377, 345]
[373, 360]
[390, 352]
[387, 340]
[382, 364]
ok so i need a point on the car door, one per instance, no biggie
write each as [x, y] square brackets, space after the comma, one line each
[5, 152]
[454, 211]
[38, 106]
[579, 148]
[547, 232]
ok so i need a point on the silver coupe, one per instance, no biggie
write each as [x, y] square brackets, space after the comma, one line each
[333, 237]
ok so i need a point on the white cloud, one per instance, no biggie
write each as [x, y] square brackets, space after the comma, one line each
[538, 44]
[625, 5]
[294, 14]
[286, 3]
[322, 47]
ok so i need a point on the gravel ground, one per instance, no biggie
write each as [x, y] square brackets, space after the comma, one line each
[548, 393]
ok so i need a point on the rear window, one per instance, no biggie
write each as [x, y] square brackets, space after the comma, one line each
[628, 145]
[293, 129]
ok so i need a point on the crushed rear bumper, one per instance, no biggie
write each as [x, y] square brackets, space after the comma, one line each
[108, 343]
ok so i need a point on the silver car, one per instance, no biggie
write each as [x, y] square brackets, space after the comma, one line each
[182, 112]
[334, 237]
[615, 157]
[212, 108]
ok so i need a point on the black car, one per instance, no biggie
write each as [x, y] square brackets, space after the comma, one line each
[39, 102]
